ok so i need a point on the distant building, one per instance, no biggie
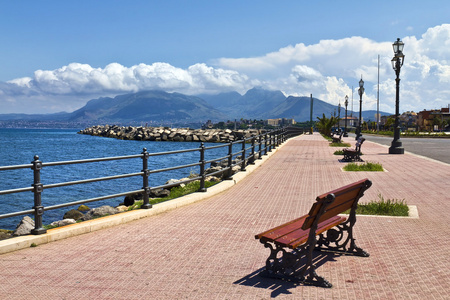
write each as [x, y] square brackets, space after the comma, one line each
[208, 125]
[431, 120]
[351, 122]
[280, 122]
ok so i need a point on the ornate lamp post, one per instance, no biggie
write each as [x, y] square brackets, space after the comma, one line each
[360, 92]
[397, 63]
[339, 116]
[345, 128]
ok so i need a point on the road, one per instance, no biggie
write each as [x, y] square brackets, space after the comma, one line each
[435, 148]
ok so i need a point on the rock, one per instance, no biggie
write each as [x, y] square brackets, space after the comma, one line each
[161, 193]
[99, 212]
[174, 181]
[5, 234]
[170, 134]
[122, 208]
[83, 207]
[25, 226]
[63, 222]
[73, 214]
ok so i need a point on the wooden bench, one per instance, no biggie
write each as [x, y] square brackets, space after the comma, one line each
[354, 154]
[337, 139]
[335, 233]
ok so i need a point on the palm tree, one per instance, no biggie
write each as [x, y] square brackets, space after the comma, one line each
[326, 124]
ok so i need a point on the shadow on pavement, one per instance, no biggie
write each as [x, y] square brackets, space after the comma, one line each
[279, 286]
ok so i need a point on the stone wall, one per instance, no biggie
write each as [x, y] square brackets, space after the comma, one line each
[170, 134]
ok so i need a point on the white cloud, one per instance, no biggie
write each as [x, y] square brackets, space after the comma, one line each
[328, 70]
[339, 64]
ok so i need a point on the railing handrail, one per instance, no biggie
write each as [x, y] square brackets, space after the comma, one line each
[265, 142]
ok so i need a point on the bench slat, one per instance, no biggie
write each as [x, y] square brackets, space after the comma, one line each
[278, 231]
[300, 236]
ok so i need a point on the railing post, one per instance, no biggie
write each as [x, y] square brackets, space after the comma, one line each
[243, 155]
[230, 161]
[202, 168]
[265, 144]
[270, 141]
[251, 161]
[145, 174]
[278, 137]
[259, 146]
[274, 139]
[38, 188]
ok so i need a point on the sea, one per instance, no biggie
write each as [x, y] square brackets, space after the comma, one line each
[20, 146]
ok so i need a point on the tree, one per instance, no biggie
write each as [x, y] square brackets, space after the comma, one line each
[389, 123]
[326, 124]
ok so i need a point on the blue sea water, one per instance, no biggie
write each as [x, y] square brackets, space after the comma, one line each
[19, 146]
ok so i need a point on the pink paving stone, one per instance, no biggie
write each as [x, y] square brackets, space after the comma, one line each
[207, 250]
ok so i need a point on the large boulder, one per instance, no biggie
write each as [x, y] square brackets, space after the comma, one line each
[99, 212]
[25, 226]
[73, 214]
[160, 193]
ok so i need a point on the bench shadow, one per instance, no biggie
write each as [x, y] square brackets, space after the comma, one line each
[280, 286]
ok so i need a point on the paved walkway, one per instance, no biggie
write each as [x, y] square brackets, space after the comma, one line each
[207, 250]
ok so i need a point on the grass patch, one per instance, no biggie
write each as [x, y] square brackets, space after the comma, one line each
[341, 152]
[395, 208]
[367, 166]
[340, 144]
[176, 192]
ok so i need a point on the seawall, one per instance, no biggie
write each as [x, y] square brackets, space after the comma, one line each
[170, 134]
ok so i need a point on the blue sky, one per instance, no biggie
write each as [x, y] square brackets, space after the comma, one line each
[56, 55]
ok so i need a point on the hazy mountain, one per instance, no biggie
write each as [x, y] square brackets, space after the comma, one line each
[148, 106]
[252, 105]
[41, 117]
[162, 107]
[298, 108]
[222, 100]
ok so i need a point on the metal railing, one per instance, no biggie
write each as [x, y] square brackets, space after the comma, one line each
[257, 147]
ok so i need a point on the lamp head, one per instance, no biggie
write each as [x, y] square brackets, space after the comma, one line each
[398, 46]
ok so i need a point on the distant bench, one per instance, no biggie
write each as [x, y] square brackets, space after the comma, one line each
[335, 234]
[354, 154]
[337, 139]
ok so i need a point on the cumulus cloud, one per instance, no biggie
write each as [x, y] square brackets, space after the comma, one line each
[72, 85]
[329, 70]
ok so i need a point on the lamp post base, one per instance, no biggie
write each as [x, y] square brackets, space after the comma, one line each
[346, 134]
[396, 148]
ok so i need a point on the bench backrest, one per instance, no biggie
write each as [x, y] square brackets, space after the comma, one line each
[336, 202]
[359, 144]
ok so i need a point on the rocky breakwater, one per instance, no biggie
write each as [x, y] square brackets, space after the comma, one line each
[170, 134]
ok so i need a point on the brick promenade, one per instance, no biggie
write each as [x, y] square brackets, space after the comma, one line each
[207, 250]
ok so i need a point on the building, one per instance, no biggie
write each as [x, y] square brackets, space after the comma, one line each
[280, 122]
[433, 120]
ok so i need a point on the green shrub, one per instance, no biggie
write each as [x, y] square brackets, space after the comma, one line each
[367, 166]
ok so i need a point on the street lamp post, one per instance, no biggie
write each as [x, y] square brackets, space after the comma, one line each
[397, 63]
[339, 116]
[345, 128]
[360, 92]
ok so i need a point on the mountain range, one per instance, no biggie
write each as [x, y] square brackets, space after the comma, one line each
[159, 107]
